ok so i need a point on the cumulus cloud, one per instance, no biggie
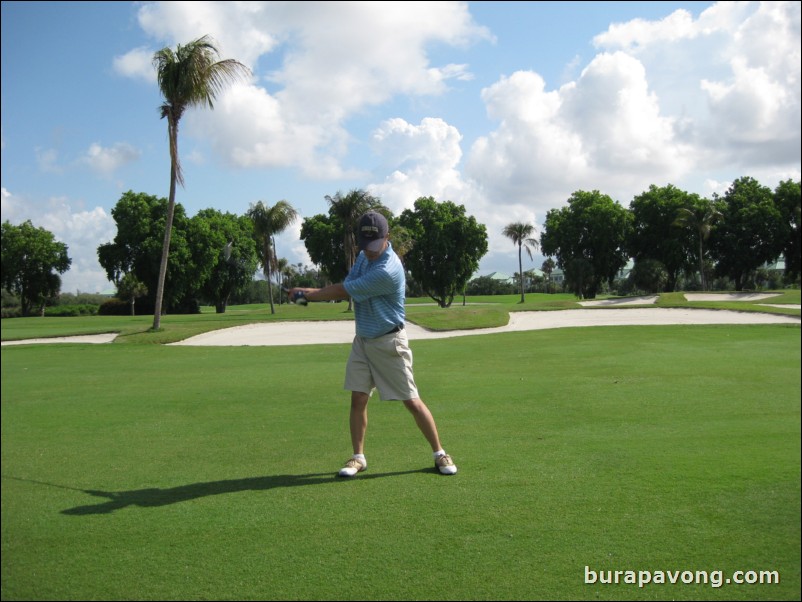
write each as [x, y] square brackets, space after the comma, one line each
[730, 79]
[136, 64]
[327, 62]
[679, 100]
[662, 101]
[82, 230]
[422, 161]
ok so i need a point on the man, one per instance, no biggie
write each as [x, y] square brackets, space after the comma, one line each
[380, 354]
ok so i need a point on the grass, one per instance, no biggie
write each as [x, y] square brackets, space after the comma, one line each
[138, 471]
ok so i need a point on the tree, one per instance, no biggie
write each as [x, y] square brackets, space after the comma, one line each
[521, 235]
[267, 222]
[547, 268]
[137, 248]
[699, 216]
[649, 275]
[330, 240]
[447, 249]
[750, 232]
[588, 239]
[486, 285]
[787, 197]
[348, 209]
[188, 77]
[401, 239]
[130, 288]
[654, 236]
[323, 239]
[223, 253]
[32, 260]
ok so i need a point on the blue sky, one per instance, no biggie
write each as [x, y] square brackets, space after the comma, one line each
[504, 107]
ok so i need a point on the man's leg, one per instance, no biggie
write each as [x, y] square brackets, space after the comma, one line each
[359, 420]
[425, 421]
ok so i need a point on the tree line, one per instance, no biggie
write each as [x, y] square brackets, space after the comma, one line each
[669, 232]
[214, 256]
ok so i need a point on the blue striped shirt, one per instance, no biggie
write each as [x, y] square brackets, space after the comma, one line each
[377, 288]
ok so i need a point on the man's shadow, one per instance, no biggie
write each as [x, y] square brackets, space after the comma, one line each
[154, 497]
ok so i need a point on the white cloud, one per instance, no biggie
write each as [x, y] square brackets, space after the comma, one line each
[329, 61]
[678, 101]
[82, 230]
[48, 160]
[633, 34]
[669, 100]
[136, 64]
[107, 160]
[730, 79]
[421, 161]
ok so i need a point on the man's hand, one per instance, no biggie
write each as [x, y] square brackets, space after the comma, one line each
[298, 296]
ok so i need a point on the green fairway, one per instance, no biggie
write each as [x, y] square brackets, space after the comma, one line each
[166, 473]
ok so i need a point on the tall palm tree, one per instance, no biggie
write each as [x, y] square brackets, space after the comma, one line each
[547, 268]
[701, 219]
[189, 76]
[267, 222]
[348, 209]
[521, 235]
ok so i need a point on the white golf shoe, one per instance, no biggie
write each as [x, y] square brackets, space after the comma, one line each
[352, 467]
[445, 465]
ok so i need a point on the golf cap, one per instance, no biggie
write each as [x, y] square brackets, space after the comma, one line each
[373, 229]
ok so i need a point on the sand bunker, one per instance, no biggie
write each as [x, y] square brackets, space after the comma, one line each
[342, 331]
[311, 333]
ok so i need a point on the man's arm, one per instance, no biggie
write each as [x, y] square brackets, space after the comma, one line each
[332, 292]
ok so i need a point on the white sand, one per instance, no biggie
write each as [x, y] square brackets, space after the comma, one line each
[729, 296]
[651, 300]
[89, 338]
[310, 333]
[318, 333]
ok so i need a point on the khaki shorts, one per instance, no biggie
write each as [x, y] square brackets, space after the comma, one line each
[384, 363]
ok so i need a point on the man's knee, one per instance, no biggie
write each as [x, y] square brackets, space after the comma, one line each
[359, 400]
[415, 405]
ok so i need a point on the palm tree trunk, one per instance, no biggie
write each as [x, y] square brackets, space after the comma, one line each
[702, 265]
[350, 260]
[521, 272]
[269, 274]
[168, 228]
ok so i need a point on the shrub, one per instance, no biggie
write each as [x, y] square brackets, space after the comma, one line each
[83, 309]
[114, 307]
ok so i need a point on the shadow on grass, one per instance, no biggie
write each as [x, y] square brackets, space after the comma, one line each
[155, 497]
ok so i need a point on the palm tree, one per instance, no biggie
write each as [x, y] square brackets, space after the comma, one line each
[189, 76]
[701, 219]
[129, 288]
[547, 268]
[348, 209]
[521, 235]
[267, 222]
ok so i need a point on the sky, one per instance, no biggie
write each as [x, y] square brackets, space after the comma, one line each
[506, 108]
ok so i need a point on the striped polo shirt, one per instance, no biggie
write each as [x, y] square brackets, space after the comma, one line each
[377, 288]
